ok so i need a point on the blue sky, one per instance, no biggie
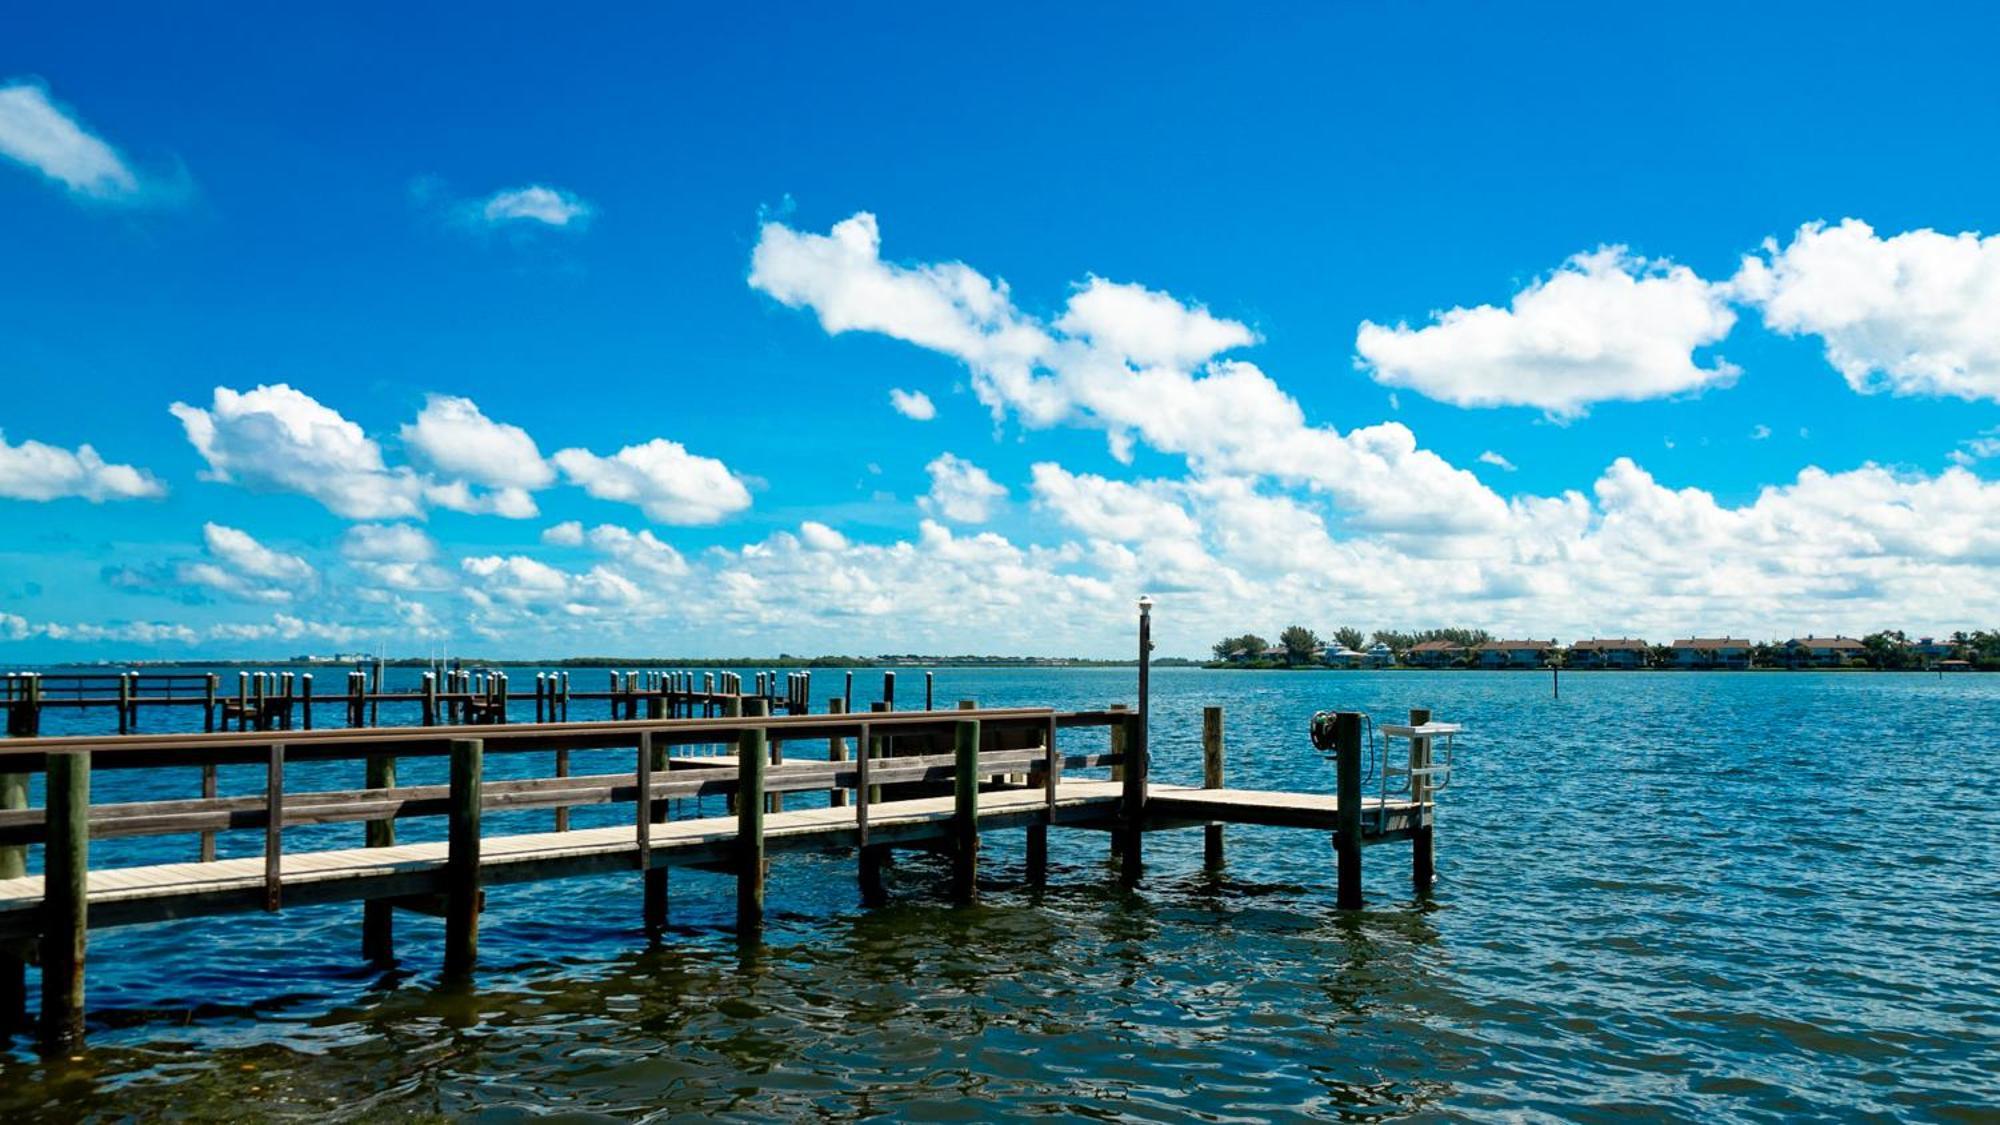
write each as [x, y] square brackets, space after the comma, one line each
[358, 207]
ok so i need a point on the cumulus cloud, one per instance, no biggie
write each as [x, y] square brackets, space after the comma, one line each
[241, 567]
[915, 405]
[1139, 364]
[568, 533]
[36, 133]
[1912, 314]
[453, 436]
[33, 470]
[278, 439]
[960, 490]
[1497, 461]
[1606, 326]
[667, 482]
[536, 203]
[394, 557]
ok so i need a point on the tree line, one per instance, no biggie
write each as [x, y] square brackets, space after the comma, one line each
[1300, 644]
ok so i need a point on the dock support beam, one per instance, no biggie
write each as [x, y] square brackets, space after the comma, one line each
[836, 751]
[965, 811]
[461, 899]
[654, 754]
[378, 917]
[1211, 778]
[13, 865]
[1423, 855]
[1347, 785]
[65, 900]
[751, 751]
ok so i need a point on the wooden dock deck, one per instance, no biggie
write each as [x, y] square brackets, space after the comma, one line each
[931, 779]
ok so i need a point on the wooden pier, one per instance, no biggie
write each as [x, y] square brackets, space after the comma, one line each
[935, 780]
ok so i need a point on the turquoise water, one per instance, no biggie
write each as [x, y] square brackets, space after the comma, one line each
[1701, 896]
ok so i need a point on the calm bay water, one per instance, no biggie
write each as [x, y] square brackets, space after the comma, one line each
[1703, 896]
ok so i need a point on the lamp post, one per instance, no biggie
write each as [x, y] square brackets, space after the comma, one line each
[1145, 657]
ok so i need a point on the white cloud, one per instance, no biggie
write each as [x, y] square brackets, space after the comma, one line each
[454, 437]
[1975, 449]
[33, 470]
[569, 533]
[397, 542]
[960, 490]
[458, 496]
[244, 568]
[820, 537]
[1759, 432]
[915, 405]
[1496, 460]
[1606, 326]
[640, 550]
[1913, 314]
[34, 132]
[1226, 417]
[536, 203]
[667, 482]
[275, 438]
[1150, 329]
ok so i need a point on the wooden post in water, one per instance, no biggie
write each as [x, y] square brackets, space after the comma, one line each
[378, 917]
[1211, 778]
[750, 755]
[461, 906]
[874, 858]
[13, 865]
[1347, 786]
[124, 702]
[836, 751]
[274, 826]
[1120, 740]
[208, 794]
[65, 901]
[965, 809]
[1038, 831]
[653, 759]
[1423, 857]
[306, 700]
[208, 686]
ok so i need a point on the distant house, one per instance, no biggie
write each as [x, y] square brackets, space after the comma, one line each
[1823, 652]
[1279, 653]
[1930, 652]
[1616, 652]
[1337, 655]
[1434, 654]
[1378, 655]
[1515, 654]
[1711, 652]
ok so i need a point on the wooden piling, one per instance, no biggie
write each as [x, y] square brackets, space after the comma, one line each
[1423, 856]
[653, 760]
[378, 917]
[65, 902]
[1119, 749]
[13, 865]
[1038, 832]
[306, 700]
[1347, 788]
[750, 755]
[1132, 806]
[836, 751]
[965, 810]
[461, 912]
[208, 687]
[1211, 778]
[274, 826]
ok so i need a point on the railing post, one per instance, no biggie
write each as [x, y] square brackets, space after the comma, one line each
[274, 826]
[378, 919]
[461, 910]
[65, 900]
[1347, 786]
[1119, 740]
[652, 761]
[1211, 778]
[1423, 856]
[751, 749]
[306, 700]
[13, 865]
[836, 751]
[1038, 831]
[1132, 804]
[965, 810]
